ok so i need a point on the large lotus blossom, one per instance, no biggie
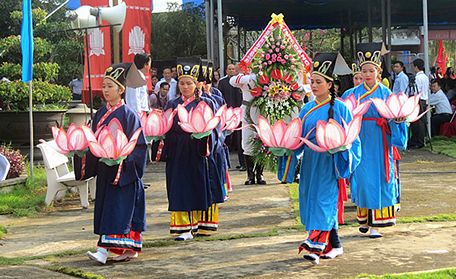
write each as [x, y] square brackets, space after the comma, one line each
[158, 123]
[199, 121]
[355, 106]
[280, 137]
[112, 144]
[230, 118]
[331, 135]
[76, 139]
[399, 106]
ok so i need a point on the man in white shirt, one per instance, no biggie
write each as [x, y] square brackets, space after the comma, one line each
[418, 128]
[137, 99]
[401, 80]
[443, 111]
[167, 77]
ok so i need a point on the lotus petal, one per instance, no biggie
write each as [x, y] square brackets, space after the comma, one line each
[136, 134]
[198, 121]
[71, 128]
[334, 134]
[109, 146]
[115, 125]
[182, 113]
[278, 131]
[291, 139]
[77, 140]
[88, 133]
[394, 105]
[97, 150]
[61, 140]
[187, 127]
[121, 141]
[353, 129]
[382, 108]
[320, 134]
[408, 107]
[55, 131]
[154, 125]
[362, 108]
[128, 149]
[265, 132]
[313, 146]
[212, 124]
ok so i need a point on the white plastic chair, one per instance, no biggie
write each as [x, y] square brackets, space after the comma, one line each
[4, 167]
[59, 178]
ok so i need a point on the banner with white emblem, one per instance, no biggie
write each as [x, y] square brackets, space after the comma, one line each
[99, 52]
[136, 32]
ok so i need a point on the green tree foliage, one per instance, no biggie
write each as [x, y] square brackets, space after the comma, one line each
[180, 32]
[52, 43]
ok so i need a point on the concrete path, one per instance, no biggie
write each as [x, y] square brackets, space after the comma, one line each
[254, 211]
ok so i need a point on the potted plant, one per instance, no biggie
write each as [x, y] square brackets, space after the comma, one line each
[49, 99]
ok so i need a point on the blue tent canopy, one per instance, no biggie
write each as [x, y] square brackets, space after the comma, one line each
[325, 14]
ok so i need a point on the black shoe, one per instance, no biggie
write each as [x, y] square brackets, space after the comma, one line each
[238, 167]
[415, 146]
[249, 182]
[146, 185]
[260, 180]
[242, 168]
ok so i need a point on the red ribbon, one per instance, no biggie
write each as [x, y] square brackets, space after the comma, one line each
[111, 109]
[342, 183]
[383, 124]
[119, 170]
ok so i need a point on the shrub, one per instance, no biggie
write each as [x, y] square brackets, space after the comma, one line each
[41, 71]
[15, 159]
[10, 50]
[14, 96]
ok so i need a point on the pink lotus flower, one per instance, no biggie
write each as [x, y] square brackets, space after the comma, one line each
[75, 140]
[199, 121]
[355, 106]
[112, 145]
[280, 138]
[331, 135]
[230, 118]
[158, 123]
[399, 106]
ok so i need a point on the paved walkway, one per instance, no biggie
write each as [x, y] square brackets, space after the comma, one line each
[251, 210]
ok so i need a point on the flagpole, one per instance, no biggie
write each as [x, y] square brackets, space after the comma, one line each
[31, 127]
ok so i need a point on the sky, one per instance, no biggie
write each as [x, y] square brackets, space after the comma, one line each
[161, 5]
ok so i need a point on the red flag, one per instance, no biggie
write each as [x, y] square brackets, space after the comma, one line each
[136, 32]
[442, 58]
[99, 50]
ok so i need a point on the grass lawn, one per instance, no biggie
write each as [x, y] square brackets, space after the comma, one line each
[25, 199]
[447, 273]
[444, 145]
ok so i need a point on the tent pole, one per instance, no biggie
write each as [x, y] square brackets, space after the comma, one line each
[211, 27]
[220, 36]
[383, 22]
[426, 57]
[350, 27]
[239, 42]
[369, 20]
[208, 30]
[31, 127]
[388, 26]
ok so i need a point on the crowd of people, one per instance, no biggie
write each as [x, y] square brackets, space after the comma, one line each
[197, 174]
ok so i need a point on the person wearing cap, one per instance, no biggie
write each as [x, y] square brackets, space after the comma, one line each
[190, 197]
[119, 214]
[357, 78]
[137, 99]
[320, 171]
[217, 159]
[375, 187]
